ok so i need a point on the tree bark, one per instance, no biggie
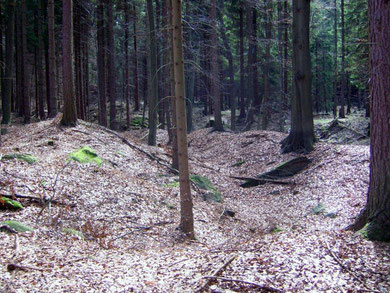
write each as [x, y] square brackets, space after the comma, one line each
[242, 65]
[301, 137]
[342, 92]
[126, 44]
[69, 117]
[265, 111]
[335, 62]
[39, 69]
[25, 80]
[111, 64]
[152, 75]
[214, 90]
[376, 213]
[101, 57]
[136, 81]
[9, 52]
[52, 99]
[186, 213]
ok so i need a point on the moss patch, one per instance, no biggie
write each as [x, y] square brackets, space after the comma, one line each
[373, 231]
[172, 184]
[17, 226]
[7, 203]
[205, 184]
[86, 155]
[74, 232]
[318, 209]
[21, 157]
[238, 164]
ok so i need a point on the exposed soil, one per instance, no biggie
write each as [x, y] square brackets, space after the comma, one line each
[128, 211]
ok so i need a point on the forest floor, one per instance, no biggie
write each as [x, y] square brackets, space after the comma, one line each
[282, 238]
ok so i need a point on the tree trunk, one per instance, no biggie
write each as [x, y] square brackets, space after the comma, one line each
[285, 54]
[52, 98]
[301, 137]
[25, 80]
[152, 75]
[39, 69]
[242, 65]
[111, 64]
[342, 92]
[77, 57]
[175, 153]
[126, 44]
[101, 57]
[69, 117]
[376, 213]
[265, 111]
[187, 218]
[136, 82]
[230, 89]
[335, 62]
[214, 90]
[9, 52]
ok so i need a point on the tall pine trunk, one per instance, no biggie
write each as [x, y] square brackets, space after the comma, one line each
[186, 213]
[69, 117]
[101, 61]
[111, 64]
[376, 213]
[51, 95]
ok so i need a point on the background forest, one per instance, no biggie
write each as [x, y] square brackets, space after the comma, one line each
[121, 57]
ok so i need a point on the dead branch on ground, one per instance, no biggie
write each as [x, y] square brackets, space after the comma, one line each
[258, 286]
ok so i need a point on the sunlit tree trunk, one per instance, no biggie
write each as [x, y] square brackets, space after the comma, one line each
[301, 137]
[187, 218]
[69, 117]
[376, 213]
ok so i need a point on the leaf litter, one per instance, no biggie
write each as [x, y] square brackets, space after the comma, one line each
[128, 210]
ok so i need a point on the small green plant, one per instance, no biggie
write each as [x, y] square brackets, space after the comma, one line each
[17, 226]
[239, 163]
[7, 203]
[172, 184]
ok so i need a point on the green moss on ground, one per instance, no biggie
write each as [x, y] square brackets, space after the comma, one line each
[17, 226]
[86, 155]
[30, 159]
[373, 231]
[204, 183]
[7, 203]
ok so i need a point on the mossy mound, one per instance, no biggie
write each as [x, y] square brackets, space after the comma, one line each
[86, 155]
[7, 203]
[30, 159]
[17, 226]
[205, 184]
[138, 121]
[373, 231]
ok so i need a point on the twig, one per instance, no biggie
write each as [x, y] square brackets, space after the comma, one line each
[16, 246]
[144, 228]
[344, 267]
[159, 160]
[215, 274]
[263, 287]
[35, 199]
[262, 180]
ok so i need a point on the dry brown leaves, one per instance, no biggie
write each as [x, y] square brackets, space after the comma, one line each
[127, 206]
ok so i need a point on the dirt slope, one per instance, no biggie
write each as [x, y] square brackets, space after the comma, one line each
[128, 211]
